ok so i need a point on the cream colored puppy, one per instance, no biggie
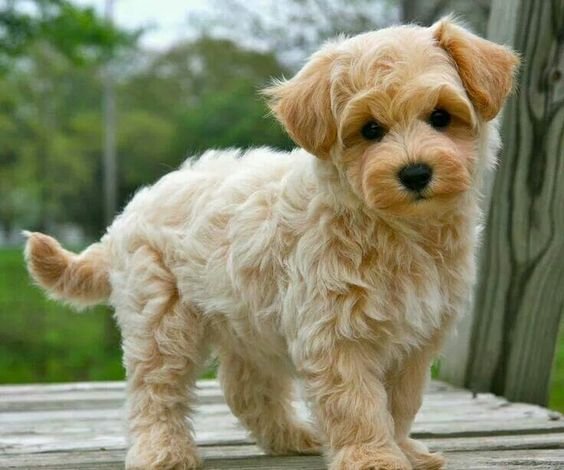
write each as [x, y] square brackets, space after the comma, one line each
[342, 263]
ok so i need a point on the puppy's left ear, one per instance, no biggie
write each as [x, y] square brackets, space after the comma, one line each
[303, 104]
[486, 68]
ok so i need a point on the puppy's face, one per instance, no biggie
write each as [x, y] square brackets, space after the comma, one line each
[406, 137]
[399, 112]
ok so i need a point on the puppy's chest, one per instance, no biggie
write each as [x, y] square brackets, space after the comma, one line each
[411, 289]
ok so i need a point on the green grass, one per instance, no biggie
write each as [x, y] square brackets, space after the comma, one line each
[43, 341]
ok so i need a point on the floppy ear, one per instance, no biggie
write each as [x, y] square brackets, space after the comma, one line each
[303, 105]
[486, 69]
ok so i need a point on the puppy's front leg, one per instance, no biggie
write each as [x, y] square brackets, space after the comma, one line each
[405, 389]
[349, 401]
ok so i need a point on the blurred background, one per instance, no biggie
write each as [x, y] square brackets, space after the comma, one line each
[100, 97]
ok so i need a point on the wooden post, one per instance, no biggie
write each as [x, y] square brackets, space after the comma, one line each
[456, 355]
[520, 295]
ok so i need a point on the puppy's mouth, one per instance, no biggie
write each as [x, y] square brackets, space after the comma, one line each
[420, 196]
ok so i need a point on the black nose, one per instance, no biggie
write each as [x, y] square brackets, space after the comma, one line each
[415, 177]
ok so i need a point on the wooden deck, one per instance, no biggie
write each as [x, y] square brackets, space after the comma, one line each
[79, 426]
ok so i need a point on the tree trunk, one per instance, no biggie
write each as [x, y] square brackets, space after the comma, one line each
[520, 295]
[109, 157]
[408, 11]
[422, 12]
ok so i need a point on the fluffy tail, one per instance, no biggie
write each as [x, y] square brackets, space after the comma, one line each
[81, 280]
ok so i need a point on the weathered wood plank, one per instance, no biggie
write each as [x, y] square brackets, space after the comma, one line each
[216, 425]
[103, 395]
[63, 387]
[82, 400]
[14, 422]
[454, 405]
[483, 443]
[79, 387]
[80, 426]
[456, 353]
[117, 385]
[520, 300]
[515, 459]
[249, 457]
[245, 448]
[34, 398]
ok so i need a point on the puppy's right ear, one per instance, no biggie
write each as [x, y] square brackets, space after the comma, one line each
[303, 104]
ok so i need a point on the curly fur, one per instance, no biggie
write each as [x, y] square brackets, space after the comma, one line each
[315, 264]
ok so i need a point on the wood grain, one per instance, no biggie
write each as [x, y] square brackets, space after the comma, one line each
[80, 426]
[520, 296]
[225, 458]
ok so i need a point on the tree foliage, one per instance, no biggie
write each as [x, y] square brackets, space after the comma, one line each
[175, 103]
[293, 29]
[197, 95]
[78, 33]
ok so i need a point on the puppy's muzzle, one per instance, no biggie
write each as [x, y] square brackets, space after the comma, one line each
[416, 177]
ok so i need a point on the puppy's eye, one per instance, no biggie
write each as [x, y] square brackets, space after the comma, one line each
[373, 131]
[439, 118]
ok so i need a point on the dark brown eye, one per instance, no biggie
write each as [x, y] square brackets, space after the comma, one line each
[373, 131]
[439, 118]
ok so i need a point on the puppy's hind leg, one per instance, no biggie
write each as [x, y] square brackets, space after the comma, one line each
[262, 400]
[162, 343]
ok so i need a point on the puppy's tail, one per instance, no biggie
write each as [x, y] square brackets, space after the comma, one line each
[81, 280]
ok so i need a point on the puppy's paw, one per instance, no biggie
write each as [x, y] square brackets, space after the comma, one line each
[300, 439]
[369, 458]
[173, 455]
[420, 457]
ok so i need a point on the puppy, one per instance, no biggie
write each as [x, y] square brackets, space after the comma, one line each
[342, 263]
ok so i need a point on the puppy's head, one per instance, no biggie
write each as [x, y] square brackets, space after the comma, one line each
[399, 111]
